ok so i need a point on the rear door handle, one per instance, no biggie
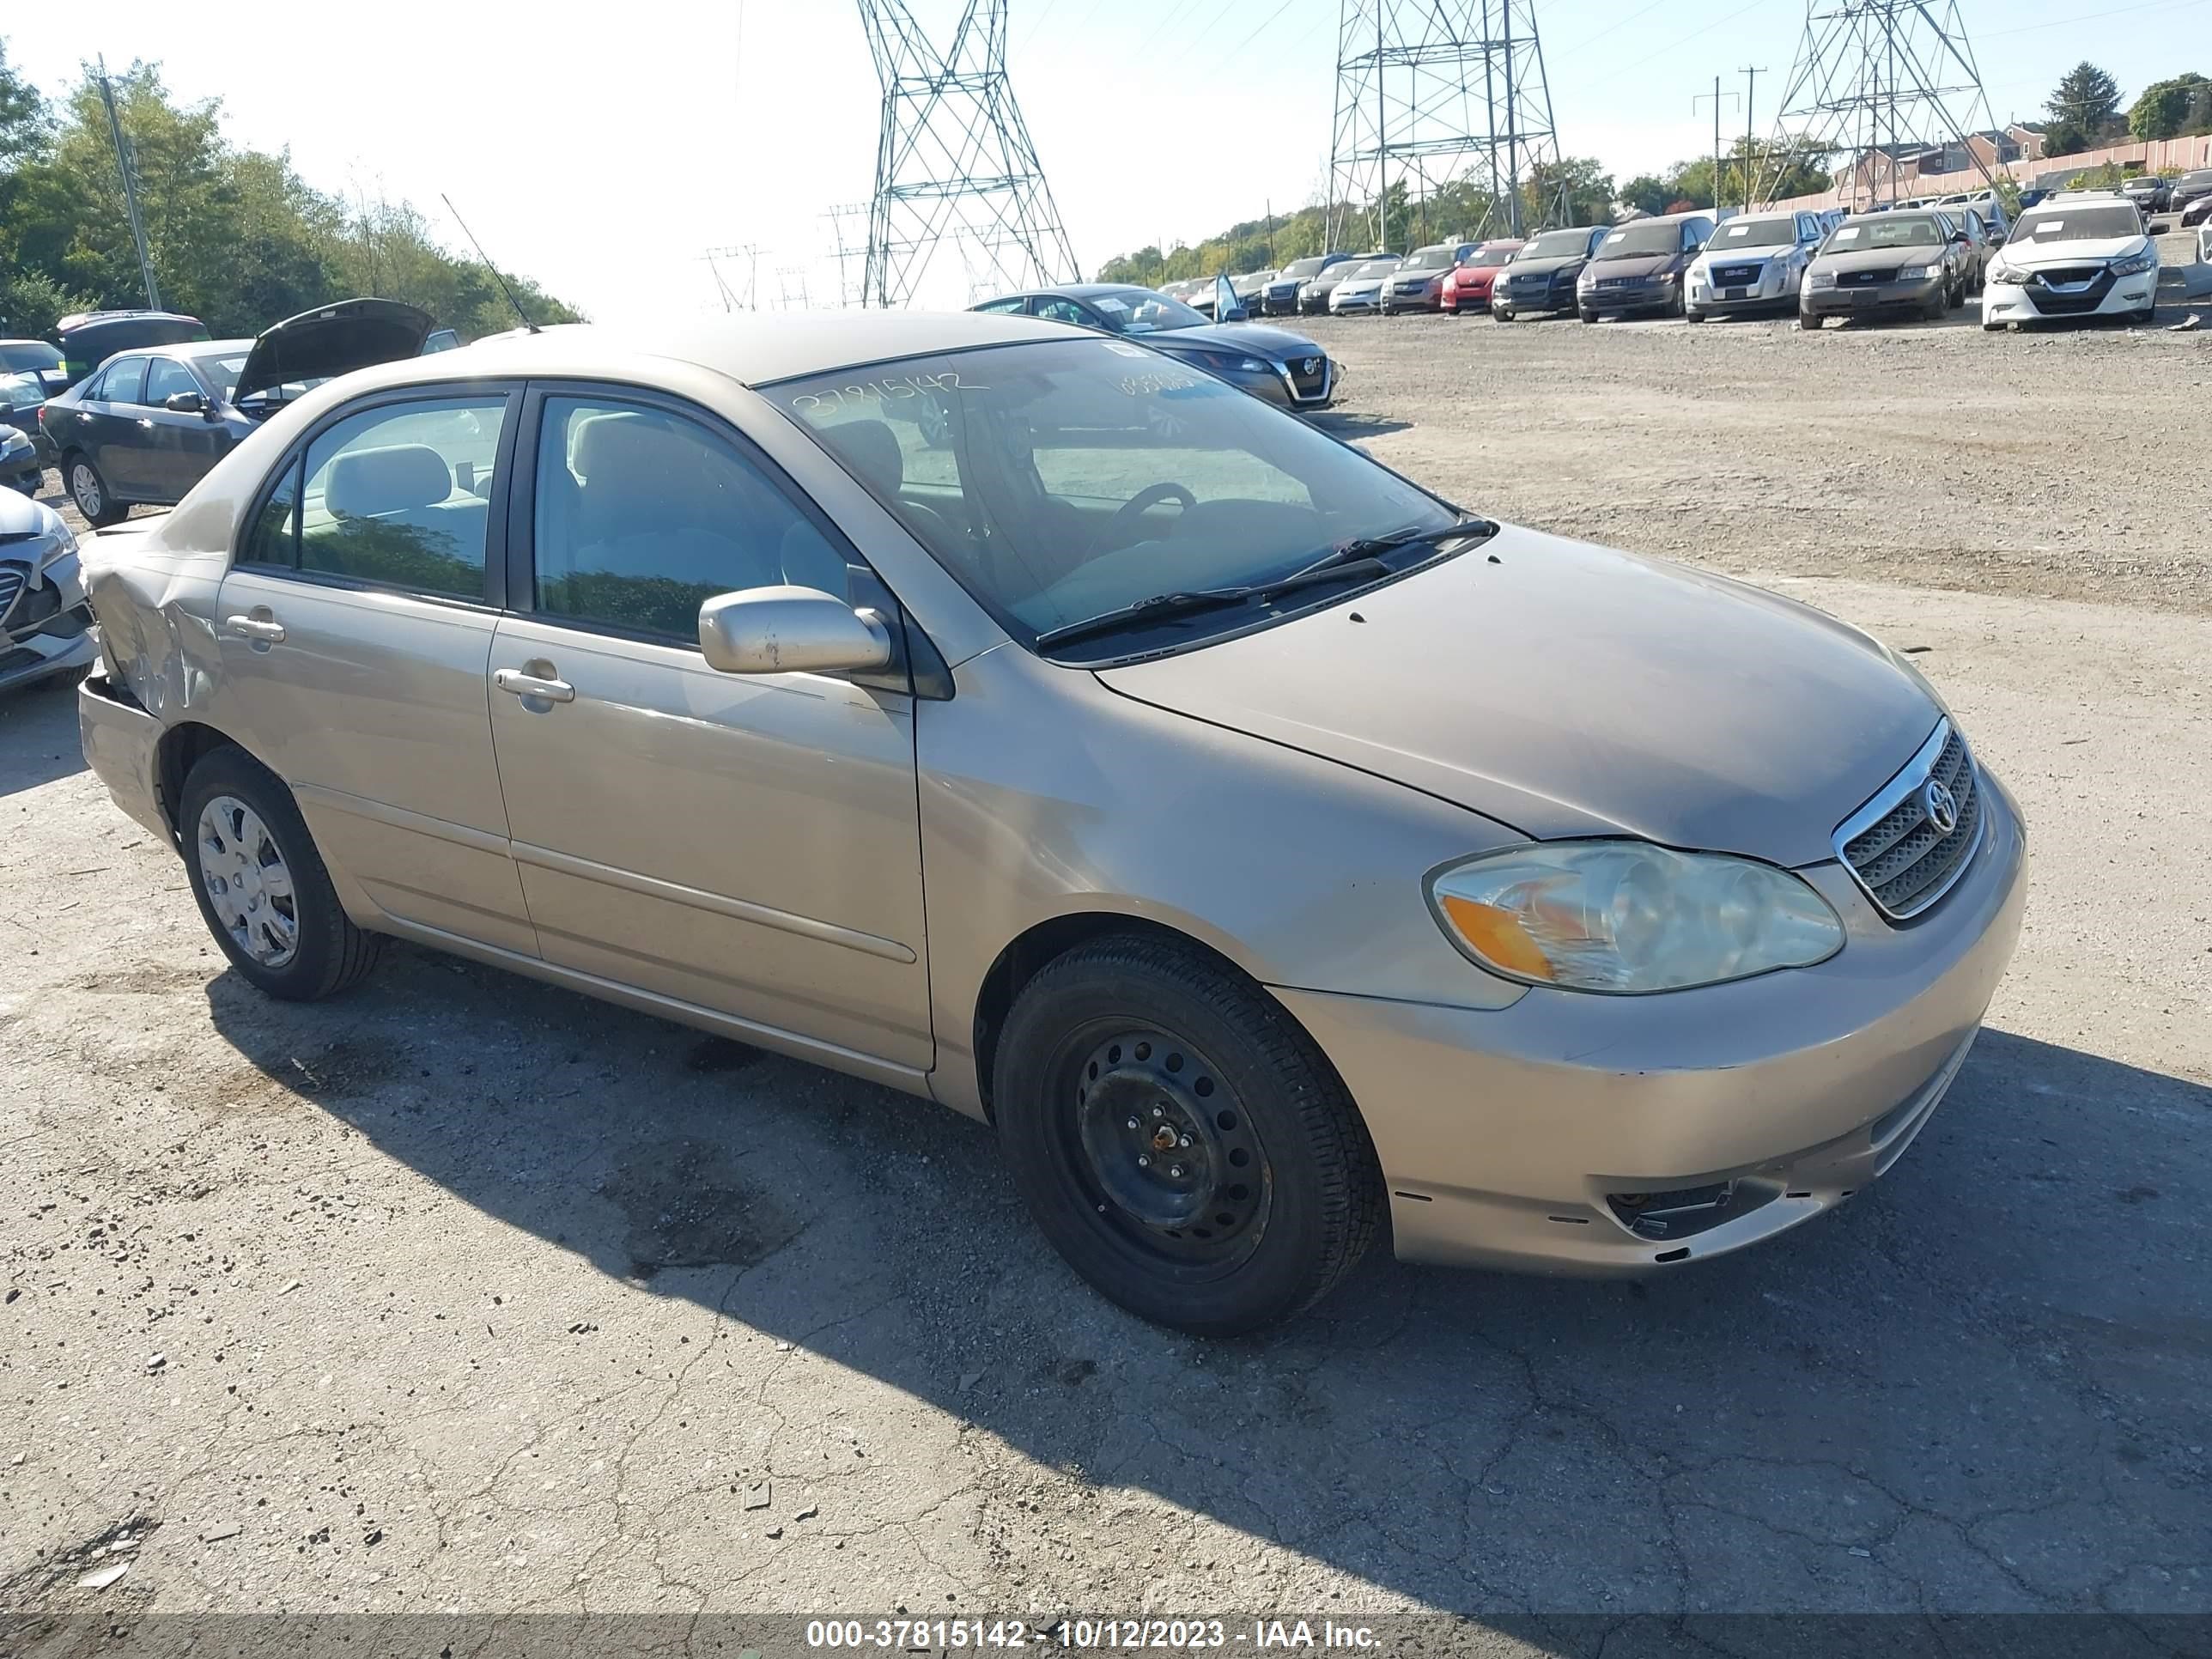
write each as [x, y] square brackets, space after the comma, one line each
[514, 680]
[255, 627]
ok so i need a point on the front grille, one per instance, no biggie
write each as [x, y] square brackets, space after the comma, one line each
[1864, 278]
[2099, 280]
[1737, 276]
[12, 578]
[1897, 845]
[1309, 376]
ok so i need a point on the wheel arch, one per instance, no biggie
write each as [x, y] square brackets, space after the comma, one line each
[181, 748]
[1044, 942]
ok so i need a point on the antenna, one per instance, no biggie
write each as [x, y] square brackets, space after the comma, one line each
[528, 326]
[1441, 92]
[1890, 84]
[953, 157]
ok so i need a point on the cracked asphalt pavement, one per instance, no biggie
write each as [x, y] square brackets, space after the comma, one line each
[463, 1292]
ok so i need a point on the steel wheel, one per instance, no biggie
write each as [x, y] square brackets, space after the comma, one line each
[249, 884]
[1171, 1156]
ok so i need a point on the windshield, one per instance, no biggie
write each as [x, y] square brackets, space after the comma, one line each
[2089, 224]
[1302, 269]
[2193, 179]
[1058, 480]
[1377, 268]
[18, 355]
[1641, 241]
[1754, 233]
[1429, 259]
[1490, 253]
[1556, 244]
[1879, 230]
[1140, 311]
[224, 373]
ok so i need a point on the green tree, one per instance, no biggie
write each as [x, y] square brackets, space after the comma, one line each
[2084, 110]
[1575, 189]
[235, 236]
[1647, 192]
[2165, 108]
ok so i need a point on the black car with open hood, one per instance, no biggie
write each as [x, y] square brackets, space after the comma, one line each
[150, 421]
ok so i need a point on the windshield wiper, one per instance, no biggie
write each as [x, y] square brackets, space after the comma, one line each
[1158, 608]
[1356, 555]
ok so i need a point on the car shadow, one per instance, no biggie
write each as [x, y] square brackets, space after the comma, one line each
[39, 740]
[2004, 1327]
[1350, 426]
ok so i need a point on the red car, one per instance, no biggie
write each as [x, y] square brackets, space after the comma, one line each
[1468, 287]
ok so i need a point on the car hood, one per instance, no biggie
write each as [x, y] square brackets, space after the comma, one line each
[1364, 284]
[1234, 336]
[330, 340]
[1881, 258]
[1568, 690]
[1742, 256]
[1641, 264]
[2071, 251]
[20, 516]
[1573, 261]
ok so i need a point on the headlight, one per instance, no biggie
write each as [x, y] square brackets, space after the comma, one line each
[1915, 273]
[1625, 917]
[1670, 276]
[2006, 277]
[1822, 278]
[2147, 260]
[1224, 362]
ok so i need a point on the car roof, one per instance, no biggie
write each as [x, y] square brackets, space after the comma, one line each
[753, 350]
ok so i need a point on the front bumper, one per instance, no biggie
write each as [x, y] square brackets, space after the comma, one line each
[1343, 305]
[45, 626]
[1628, 298]
[1465, 299]
[1517, 301]
[1428, 298]
[122, 743]
[1508, 1138]
[1870, 299]
[1770, 292]
[2106, 296]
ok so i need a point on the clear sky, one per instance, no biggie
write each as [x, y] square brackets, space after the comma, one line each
[603, 148]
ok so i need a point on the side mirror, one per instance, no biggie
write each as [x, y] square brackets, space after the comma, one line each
[1227, 308]
[790, 630]
[185, 403]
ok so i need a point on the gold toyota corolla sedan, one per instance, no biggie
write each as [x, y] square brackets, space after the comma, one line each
[1274, 852]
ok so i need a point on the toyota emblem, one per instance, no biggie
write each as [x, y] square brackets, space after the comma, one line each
[1940, 806]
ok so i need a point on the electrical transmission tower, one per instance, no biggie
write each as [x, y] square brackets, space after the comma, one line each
[954, 157]
[1882, 82]
[1446, 102]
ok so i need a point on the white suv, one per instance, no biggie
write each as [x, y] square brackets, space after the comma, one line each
[2073, 255]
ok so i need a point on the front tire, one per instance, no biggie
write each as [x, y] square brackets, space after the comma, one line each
[1180, 1140]
[1587, 315]
[262, 888]
[91, 494]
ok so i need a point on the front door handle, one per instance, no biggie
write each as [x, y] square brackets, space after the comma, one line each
[266, 629]
[520, 684]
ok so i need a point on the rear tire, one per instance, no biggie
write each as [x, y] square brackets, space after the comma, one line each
[1247, 1187]
[90, 491]
[240, 831]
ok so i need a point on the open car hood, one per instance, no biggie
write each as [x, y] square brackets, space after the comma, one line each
[332, 340]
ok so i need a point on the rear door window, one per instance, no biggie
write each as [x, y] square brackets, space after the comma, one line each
[400, 495]
[124, 382]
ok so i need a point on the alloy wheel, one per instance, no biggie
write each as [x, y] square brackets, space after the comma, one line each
[84, 487]
[249, 884]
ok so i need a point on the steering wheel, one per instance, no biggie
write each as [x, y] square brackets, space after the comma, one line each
[1120, 529]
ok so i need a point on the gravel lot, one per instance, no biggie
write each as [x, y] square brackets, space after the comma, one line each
[465, 1294]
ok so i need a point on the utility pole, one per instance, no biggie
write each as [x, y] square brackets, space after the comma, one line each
[1750, 92]
[129, 166]
[1717, 96]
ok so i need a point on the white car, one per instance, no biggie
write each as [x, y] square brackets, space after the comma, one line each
[1363, 289]
[1755, 261]
[2070, 257]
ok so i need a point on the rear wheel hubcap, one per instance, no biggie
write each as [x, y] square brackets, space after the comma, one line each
[249, 884]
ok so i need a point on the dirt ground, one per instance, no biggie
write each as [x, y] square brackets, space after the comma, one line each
[463, 1293]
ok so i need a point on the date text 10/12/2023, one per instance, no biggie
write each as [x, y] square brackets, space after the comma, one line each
[1094, 1635]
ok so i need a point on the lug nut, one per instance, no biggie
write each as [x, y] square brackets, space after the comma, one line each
[1175, 1169]
[1158, 1112]
[1132, 1123]
[1185, 1141]
[1144, 1162]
